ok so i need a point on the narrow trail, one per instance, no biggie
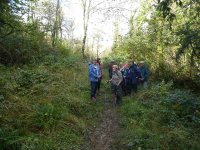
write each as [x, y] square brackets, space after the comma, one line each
[102, 137]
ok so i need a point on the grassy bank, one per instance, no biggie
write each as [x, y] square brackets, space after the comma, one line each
[46, 105]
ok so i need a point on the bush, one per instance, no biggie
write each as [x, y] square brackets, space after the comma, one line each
[27, 78]
[64, 48]
[22, 46]
[185, 105]
[161, 118]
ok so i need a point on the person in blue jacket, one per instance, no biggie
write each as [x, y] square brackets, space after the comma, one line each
[94, 75]
[134, 75]
[144, 74]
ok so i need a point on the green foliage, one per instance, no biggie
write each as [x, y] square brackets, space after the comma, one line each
[22, 46]
[161, 118]
[10, 139]
[164, 7]
[22, 42]
[26, 78]
[46, 116]
[185, 105]
[189, 39]
[40, 107]
[1, 98]
[169, 46]
[63, 47]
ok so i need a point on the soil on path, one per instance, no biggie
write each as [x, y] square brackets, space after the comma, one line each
[103, 136]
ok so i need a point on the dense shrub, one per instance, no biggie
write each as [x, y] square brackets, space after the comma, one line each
[161, 118]
[26, 78]
[185, 105]
[22, 46]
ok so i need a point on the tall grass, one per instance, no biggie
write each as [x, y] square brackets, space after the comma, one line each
[46, 105]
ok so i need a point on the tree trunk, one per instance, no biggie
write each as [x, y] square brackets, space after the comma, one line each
[191, 60]
[56, 25]
[86, 15]
[83, 45]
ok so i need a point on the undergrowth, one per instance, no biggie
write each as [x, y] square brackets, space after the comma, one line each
[161, 118]
[46, 105]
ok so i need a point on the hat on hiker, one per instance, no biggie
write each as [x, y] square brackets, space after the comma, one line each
[141, 62]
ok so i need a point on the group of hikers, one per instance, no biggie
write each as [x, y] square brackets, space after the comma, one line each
[124, 78]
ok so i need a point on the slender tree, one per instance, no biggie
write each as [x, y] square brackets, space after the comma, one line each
[86, 6]
[57, 24]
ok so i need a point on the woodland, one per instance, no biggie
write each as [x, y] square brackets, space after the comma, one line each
[44, 87]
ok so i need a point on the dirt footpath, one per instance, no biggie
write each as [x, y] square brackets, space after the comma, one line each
[103, 136]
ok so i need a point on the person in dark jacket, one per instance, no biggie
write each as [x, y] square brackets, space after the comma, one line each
[110, 70]
[134, 75]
